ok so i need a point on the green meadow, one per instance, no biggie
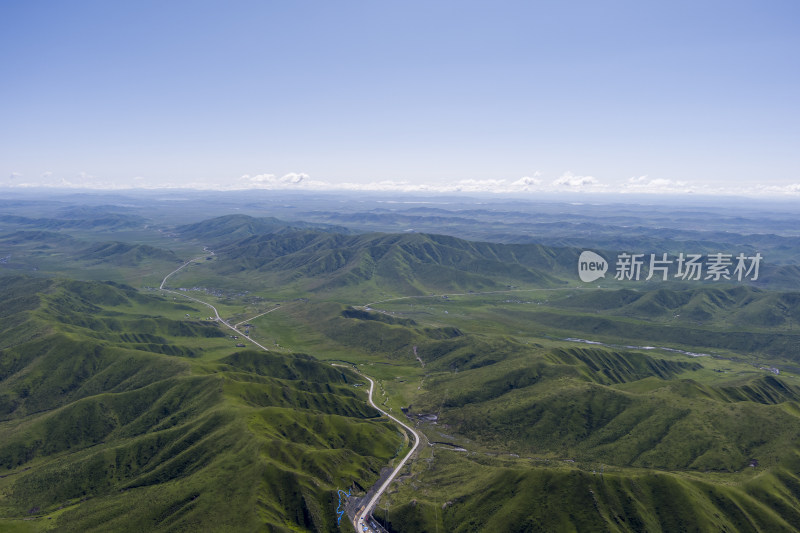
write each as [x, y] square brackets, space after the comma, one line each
[116, 420]
[543, 405]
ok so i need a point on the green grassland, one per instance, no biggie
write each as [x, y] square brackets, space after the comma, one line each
[115, 420]
[457, 491]
[224, 229]
[610, 315]
[126, 409]
[663, 425]
[82, 256]
[666, 426]
[296, 263]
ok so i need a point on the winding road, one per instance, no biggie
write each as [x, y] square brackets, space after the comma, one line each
[362, 516]
[216, 313]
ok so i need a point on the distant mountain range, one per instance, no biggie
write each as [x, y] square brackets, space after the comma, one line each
[93, 221]
[546, 403]
[233, 227]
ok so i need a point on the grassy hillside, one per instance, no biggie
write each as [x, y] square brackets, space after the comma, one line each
[100, 433]
[477, 493]
[627, 408]
[302, 261]
[83, 219]
[123, 254]
[643, 229]
[126, 411]
[737, 305]
[544, 435]
[59, 253]
[226, 229]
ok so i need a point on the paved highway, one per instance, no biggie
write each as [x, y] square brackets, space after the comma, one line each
[216, 313]
[362, 518]
[163, 281]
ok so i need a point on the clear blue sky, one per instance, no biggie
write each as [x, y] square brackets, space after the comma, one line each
[595, 95]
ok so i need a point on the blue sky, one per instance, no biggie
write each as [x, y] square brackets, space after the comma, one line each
[476, 96]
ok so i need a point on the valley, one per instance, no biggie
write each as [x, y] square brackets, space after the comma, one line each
[400, 267]
[541, 403]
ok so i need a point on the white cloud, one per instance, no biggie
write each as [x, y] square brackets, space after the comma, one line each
[527, 183]
[295, 180]
[258, 178]
[577, 183]
[792, 189]
[644, 184]
[530, 184]
[294, 177]
[271, 181]
[302, 181]
[473, 185]
[384, 185]
[498, 186]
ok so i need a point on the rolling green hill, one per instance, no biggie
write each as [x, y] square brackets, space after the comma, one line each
[123, 409]
[98, 432]
[58, 253]
[84, 220]
[554, 436]
[739, 305]
[565, 225]
[230, 228]
[120, 253]
[401, 264]
[479, 493]
[41, 239]
[624, 407]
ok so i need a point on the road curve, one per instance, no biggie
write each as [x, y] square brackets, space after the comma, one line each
[367, 510]
[163, 281]
[216, 313]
